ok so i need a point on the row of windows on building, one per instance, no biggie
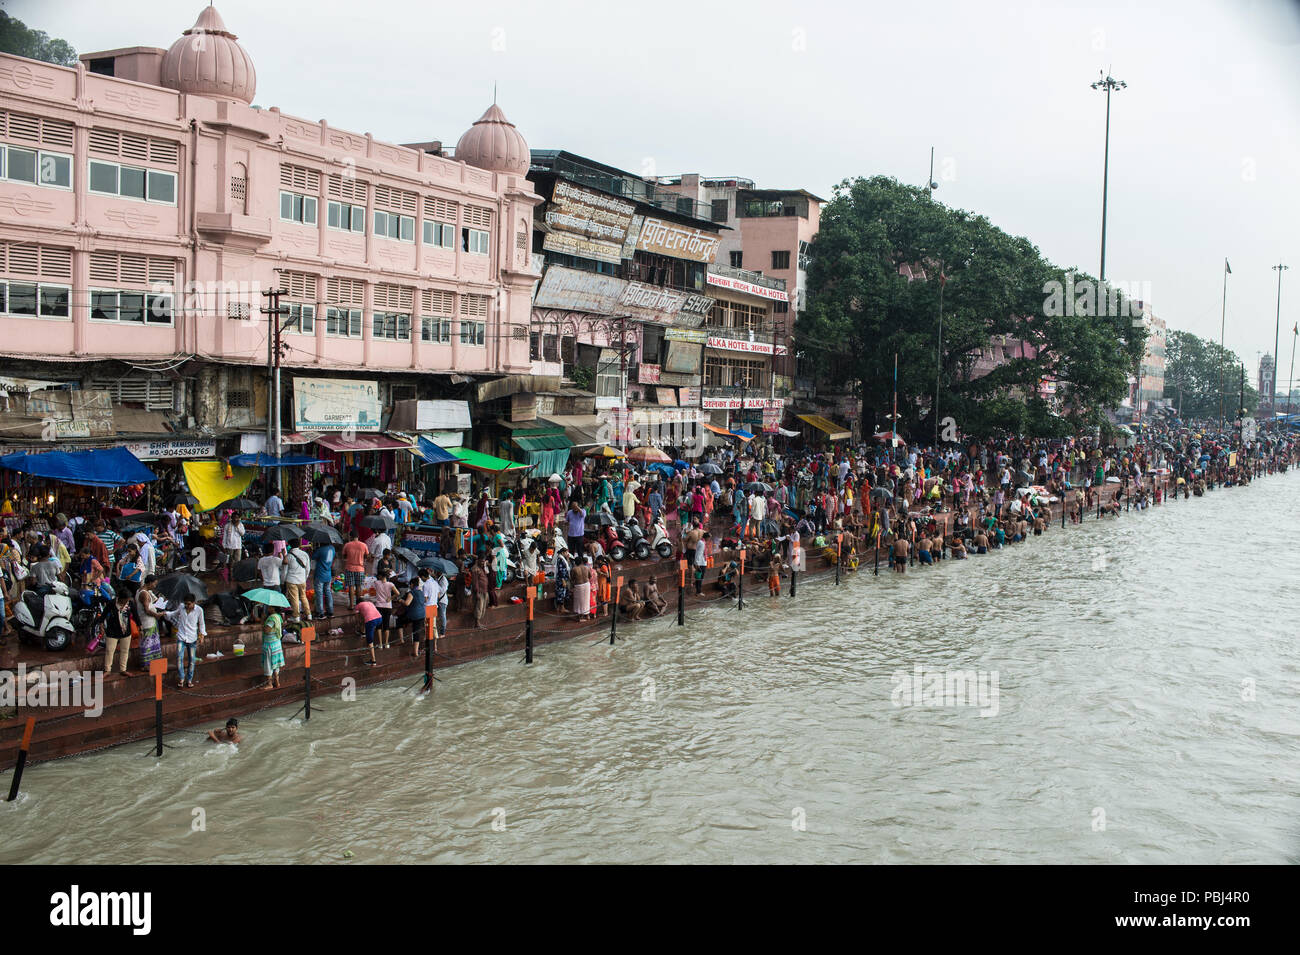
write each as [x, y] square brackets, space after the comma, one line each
[343, 322]
[43, 168]
[134, 307]
[780, 258]
[346, 217]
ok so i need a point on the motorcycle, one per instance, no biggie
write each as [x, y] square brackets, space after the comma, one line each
[90, 604]
[635, 538]
[44, 617]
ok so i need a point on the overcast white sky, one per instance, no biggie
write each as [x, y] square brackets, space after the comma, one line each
[1205, 142]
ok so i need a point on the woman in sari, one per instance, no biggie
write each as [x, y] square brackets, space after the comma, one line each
[562, 579]
[150, 641]
[500, 560]
[551, 505]
[272, 649]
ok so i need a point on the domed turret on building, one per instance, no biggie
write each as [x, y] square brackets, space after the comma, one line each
[206, 61]
[494, 144]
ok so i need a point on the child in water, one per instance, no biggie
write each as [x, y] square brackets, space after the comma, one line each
[228, 735]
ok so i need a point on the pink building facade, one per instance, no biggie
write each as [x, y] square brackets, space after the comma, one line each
[145, 205]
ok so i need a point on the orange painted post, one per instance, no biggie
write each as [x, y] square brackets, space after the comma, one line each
[740, 582]
[156, 669]
[23, 747]
[308, 634]
[528, 631]
[681, 593]
[613, 618]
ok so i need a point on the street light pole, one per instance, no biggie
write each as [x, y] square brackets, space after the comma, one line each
[1277, 327]
[938, 358]
[1109, 84]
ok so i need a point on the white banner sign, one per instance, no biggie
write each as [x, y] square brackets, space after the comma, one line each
[735, 404]
[161, 450]
[336, 404]
[736, 285]
[753, 348]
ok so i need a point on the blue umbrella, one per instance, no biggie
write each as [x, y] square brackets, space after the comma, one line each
[680, 465]
[665, 469]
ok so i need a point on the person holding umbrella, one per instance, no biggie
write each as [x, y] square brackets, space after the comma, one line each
[272, 634]
[323, 579]
[295, 566]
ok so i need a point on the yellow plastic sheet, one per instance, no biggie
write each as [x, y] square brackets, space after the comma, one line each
[208, 482]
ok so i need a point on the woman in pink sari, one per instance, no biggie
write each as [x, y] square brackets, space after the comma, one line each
[551, 504]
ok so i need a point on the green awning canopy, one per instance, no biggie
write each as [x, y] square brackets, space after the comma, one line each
[484, 462]
[555, 441]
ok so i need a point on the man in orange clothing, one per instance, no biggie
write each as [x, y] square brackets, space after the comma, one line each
[354, 566]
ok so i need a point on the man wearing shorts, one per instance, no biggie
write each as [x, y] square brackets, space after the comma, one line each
[354, 566]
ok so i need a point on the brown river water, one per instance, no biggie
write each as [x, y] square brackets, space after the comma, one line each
[1147, 709]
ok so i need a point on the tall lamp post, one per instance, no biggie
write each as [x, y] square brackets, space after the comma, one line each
[1277, 327]
[1223, 320]
[1109, 84]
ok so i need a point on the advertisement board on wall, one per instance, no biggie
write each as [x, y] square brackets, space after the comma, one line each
[336, 404]
[681, 242]
[582, 246]
[599, 294]
[686, 335]
[740, 345]
[683, 358]
[163, 450]
[647, 374]
[593, 214]
[735, 404]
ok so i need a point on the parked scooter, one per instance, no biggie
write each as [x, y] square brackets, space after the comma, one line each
[44, 617]
[612, 543]
[660, 542]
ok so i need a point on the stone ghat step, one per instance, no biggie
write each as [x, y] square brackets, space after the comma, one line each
[232, 685]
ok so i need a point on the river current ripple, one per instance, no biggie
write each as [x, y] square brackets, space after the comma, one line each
[1124, 651]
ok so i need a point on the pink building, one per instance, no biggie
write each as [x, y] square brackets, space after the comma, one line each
[145, 205]
[771, 232]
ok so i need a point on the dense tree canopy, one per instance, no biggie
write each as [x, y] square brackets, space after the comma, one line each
[17, 38]
[1198, 371]
[863, 310]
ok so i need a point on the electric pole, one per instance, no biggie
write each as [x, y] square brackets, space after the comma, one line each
[274, 327]
[1110, 85]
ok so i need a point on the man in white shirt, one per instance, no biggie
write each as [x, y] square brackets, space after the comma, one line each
[191, 628]
[378, 544]
[269, 568]
[232, 539]
[148, 555]
[297, 563]
[274, 507]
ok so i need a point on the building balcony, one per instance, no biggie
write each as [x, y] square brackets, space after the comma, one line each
[234, 229]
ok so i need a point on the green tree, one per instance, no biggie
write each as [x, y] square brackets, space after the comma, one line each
[1203, 379]
[873, 295]
[19, 39]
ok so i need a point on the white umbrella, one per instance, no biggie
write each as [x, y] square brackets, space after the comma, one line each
[555, 479]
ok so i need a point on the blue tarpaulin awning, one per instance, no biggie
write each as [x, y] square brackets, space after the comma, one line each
[264, 460]
[102, 467]
[433, 454]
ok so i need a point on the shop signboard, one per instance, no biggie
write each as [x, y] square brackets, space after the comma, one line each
[647, 374]
[680, 242]
[742, 345]
[336, 404]
[170, 449]
[749, 288]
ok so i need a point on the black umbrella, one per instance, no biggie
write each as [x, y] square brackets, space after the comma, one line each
[245, 569]
[757, 487]
[708, 467]
[242, 504]
[282, 532]
[882, 493]
[448, 567]
[137, 520]
[176, 587]
[189, 500]
[407, 555]
[369, 494]
[316, 533]
[376, 522]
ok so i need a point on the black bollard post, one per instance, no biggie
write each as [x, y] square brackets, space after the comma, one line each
[681, 593]
[740, 582]
[156, 669]
[839, 556]
[307, 634]
[876, 556]
[528, 632]
[23, 747]
[613, 621]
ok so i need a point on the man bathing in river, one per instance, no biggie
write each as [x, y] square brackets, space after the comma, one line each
[901, 548]
[229, 734]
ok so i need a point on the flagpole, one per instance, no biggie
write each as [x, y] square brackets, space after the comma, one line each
[1290, 378]
[893, 442]
[1223, 318]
